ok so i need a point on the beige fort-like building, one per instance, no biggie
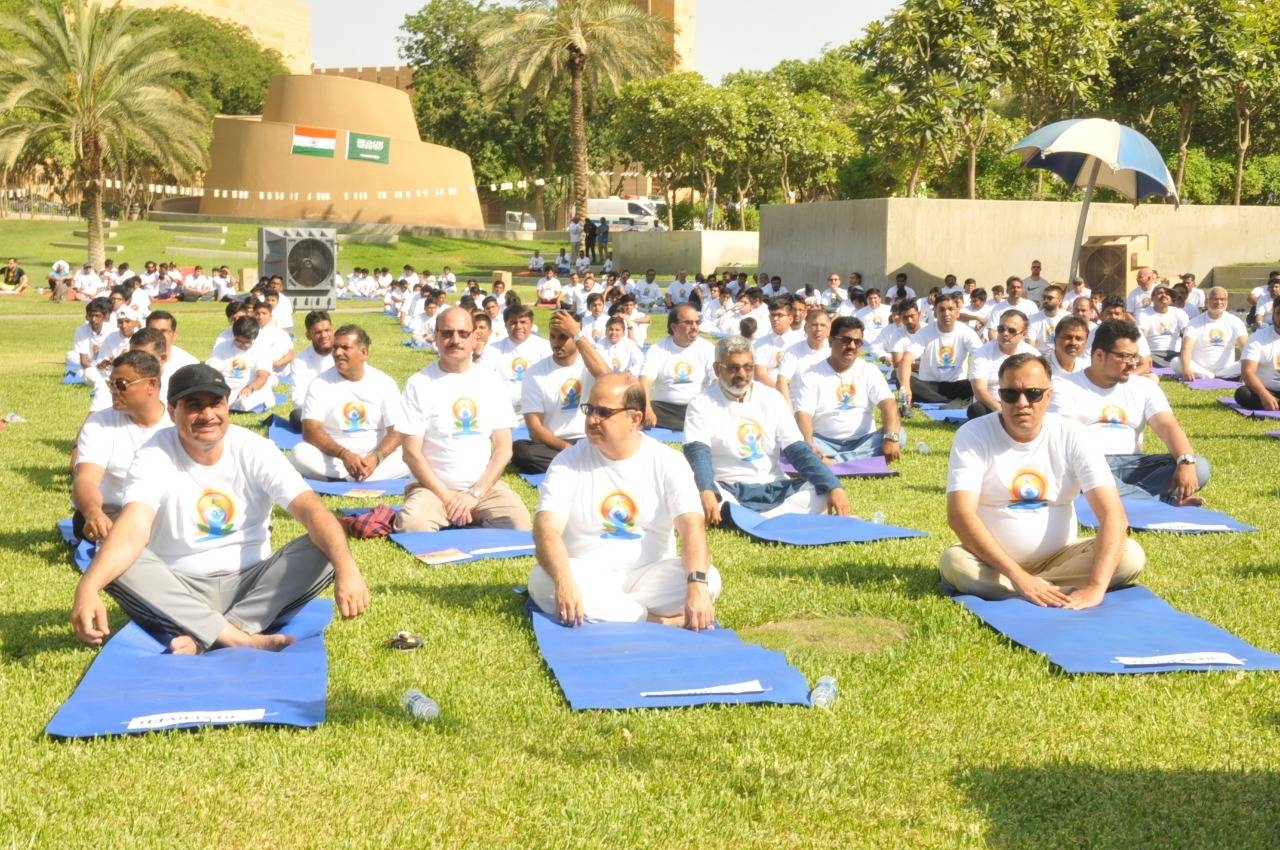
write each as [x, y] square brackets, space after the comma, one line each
[282, 25]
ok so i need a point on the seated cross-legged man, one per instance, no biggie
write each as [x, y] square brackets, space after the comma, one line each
[519, 349]
[457, 422]
[349, 416]
[553, 393]
[1115, 411]
[1260, 366]
[245, 366]
[675, 370]
[190, 554]
[835, 402]
[605, 521]
[1212, 341]
[984, 366]
[1011, 488]
[941, 348]
[736, 433]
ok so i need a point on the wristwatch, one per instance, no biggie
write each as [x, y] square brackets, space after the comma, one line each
[696, 576]
[475, 491]
[580, 336]
[890, 438]
[1187, 458]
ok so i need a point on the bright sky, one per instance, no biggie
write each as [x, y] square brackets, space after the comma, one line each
[731, 34]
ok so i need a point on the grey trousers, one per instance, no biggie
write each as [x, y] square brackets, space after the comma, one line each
[254, 599]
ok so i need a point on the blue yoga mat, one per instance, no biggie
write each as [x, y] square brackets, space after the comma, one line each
[463, 545]
[73, 378]
[945, 414]
[665, 435]
[863, 467]
[1130, 622]
[1275, 435]
[613, 665]
[82, 551]
[135, 686]
[1154, 515]
[1230, 403]
[360, 489]
[533, 479]
[520, 433]
[280, 432]
[814, 529]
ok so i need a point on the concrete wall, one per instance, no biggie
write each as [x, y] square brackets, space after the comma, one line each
[990, 240]
[282, 25]
[683, 250]
[397, 76]
[421, 184]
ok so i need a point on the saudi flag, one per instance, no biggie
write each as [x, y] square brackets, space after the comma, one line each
[312, 141]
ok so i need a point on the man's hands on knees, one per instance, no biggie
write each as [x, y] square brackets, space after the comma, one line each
[699, 611]
[89, 617]
[1040, 592]
[838, 502]
[96, 526]
[569, 605]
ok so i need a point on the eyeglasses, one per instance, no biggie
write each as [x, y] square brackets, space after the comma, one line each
[740, 368]
[1005, 329]
[120, 384]
[1010, 395]
[1131, 359]
[602, 412]
[854, 341]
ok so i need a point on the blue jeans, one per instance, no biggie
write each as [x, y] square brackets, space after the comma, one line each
[867, 445]
[1151, 476]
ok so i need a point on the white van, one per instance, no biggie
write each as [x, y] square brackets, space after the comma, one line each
[625, 213]
[521, 221]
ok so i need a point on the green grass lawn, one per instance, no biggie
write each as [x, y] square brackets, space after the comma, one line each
[945, 735]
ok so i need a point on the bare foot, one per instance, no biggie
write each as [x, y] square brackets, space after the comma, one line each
[271, 643]
[1192, 502]
[185, 645]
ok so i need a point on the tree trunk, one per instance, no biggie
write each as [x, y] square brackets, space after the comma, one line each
[1186, 114]
[577, 134]
[91, 183]
[973, 170]
[915, 170]
[1243, 114]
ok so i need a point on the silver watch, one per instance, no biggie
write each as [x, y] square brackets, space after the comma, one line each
[1187, 458]
[475, 491]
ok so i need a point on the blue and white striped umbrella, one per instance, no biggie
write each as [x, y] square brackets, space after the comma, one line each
[1097, 151]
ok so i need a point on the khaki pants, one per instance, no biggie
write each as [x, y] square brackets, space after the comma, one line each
[498, 508]
[1068, 569]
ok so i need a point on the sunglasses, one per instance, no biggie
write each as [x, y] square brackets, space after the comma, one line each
[120, 384]
[602, 412]
[1010, 395]
[1005, 329]
[854, 341]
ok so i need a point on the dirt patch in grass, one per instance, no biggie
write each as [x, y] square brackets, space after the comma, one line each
[859, 635]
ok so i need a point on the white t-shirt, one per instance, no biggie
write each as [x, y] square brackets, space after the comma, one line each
[306, 366]
[557, 393]
[619, 513]
[985, 364]
[1114, 418]
[679, 374]
[595, 327]
[110, 439]
[1042, 330]
[679, 293]
[1263, 348]
[798, 358]
[549, 288]
[90, 284]
[1026, 491]
[283, 312]
[456, 414]
[238, 367]
[941, 355]
[746, 438]
[1163, 330]
[198, 283]
[768, 350]
[275, 341]
[874, 322]
[648, 295]
[1138, 299]
[355, 414]
[514, 360]
[626, 356]
[1214, 340]
[212, 520]
[1034, 287]
[842, 404]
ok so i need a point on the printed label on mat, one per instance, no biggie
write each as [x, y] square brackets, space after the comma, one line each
[177, 718]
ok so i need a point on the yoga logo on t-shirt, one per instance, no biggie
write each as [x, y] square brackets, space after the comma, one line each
[946, 356]
[682, 372]
[619, 512]
[777, 358]
[217, 513]
[845, 394]
[354, 416]
[750, 437]
[238, 369]
[466, 418]
[570, 394]
[1113, 416]
[1028, 490]
[518, 367]
[1217, 338]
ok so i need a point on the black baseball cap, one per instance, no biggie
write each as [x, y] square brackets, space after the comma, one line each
[196, 378]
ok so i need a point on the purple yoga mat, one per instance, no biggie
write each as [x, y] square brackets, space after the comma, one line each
[864, 467]
[1230, 403]
[1274, 434]
[1211, 384]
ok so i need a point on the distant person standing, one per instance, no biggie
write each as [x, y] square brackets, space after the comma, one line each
[602, 239]
[590, 230]
[575, 236]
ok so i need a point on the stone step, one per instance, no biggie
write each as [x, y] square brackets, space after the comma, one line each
[194, 228]
[210, 252]
[106, 234]
[199, 240]
[369, 238]
[84, 246]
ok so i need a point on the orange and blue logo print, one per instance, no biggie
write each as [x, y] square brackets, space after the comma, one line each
[617, 364]
[750, 440]
[946, 356]
[216, 512]
[466, 418]
[570, 394]
[518, 367]
[1113, 416]
[1028, 490]
[354, 416]
[845, 394]
[682, 372]
[238, 369]
[1216, 337]
[619, 512]
[777, 358]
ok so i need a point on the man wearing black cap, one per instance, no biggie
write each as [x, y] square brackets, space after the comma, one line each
[190, 553]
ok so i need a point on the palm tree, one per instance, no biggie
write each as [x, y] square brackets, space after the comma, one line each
[87, 75]
[594, 45]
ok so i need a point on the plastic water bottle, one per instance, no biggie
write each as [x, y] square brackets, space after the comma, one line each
[419, 705]
[904, 408]
[922, 447]
[823, 694]
[878, 517]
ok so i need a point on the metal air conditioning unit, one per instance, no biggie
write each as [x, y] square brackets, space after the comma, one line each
[1109, 264]
[306, 257]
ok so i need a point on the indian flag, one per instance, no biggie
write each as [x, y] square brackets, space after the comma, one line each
[313, 141]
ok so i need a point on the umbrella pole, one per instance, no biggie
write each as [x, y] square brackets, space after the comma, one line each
[1084, 214]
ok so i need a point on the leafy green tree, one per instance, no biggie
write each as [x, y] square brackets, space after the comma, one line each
[84, 75]
[592, 46]
[1250, 33]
